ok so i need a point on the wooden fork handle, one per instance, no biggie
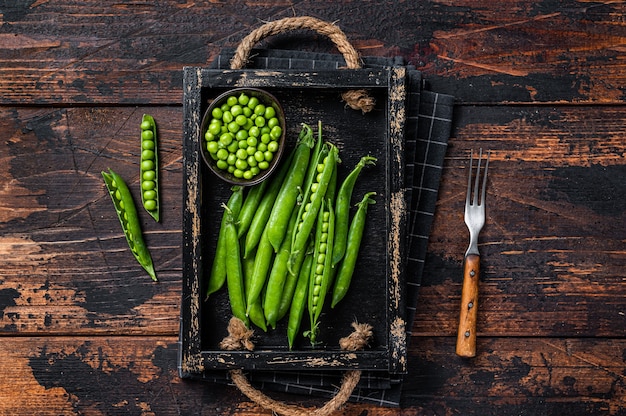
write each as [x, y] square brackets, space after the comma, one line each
[466, 336]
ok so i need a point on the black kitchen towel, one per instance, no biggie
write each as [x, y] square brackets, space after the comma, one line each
[429, 120]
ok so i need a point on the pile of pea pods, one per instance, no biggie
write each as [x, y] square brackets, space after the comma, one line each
[287, 244]
[123, 199]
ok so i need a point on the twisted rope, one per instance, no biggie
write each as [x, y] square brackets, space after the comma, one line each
[356, 99]
[239, 337]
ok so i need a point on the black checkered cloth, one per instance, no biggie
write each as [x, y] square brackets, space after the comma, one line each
[426, 138]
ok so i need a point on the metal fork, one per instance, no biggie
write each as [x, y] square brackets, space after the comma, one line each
[474, 219]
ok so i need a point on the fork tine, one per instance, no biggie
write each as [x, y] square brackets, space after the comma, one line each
[477, 179]
[482, 195]
[469, 180]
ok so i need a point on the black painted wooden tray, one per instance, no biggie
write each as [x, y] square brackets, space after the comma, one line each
[376, 293]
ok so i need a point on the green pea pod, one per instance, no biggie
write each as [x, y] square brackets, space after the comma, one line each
[256, 310]
[127, 214]
[259, 221]
[289, 287]
[317, 149]
[321, 270]
[149, 167]
[332, 188]
[307, 215]
[262, 264]
[217, 275]
[342, 208]
[234, 269]
[290, 189]
[249, 208]
[355, 235]
[298, 304]
[277, 276]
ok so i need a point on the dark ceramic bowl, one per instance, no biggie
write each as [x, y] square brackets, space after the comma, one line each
[264, 98]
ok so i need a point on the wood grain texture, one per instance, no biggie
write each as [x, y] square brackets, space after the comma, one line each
[509, 51]
[468, 310]
[541, 84]
[552, 247]
[65, 263]
[50, 376]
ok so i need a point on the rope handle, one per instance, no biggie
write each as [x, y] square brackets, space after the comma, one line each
[356, 99]
[239, 338]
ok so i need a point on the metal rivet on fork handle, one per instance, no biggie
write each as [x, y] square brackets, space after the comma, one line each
[474, 219]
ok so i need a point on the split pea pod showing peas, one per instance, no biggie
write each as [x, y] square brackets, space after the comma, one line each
[149, 167]
[325, 165]
[321, 270]
[342, 208]
[129, 219]
[355, 235]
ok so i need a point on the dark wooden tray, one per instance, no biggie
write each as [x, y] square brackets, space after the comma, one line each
[376, 294]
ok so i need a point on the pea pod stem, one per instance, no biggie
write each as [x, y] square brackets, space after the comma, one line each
[149, 167]
[217, 276]
[289, 191]
[342, 207]
[355, 236]
[129, 219]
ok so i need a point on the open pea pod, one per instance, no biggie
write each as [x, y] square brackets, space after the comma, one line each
[127, 214]
[149, 167]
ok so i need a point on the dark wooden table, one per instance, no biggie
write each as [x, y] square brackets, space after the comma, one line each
[541, 84]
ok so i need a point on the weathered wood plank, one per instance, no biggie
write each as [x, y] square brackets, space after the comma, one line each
[65, 265]
[513, 376]
[510, 51]
[137, 375]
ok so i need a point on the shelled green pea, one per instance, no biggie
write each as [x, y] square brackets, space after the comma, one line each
[243, 135]
[149, 167]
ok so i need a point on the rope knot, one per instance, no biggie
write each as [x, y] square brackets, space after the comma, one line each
[358, 339]
[239, 337]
